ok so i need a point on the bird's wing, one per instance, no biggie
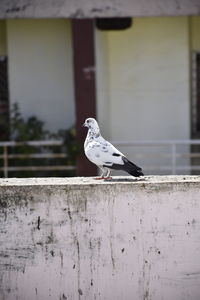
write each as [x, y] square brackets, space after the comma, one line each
[103, 153]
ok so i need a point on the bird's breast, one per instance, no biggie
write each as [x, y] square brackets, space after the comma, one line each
[93, 154]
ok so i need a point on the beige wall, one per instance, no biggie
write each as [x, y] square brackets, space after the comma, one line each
[3, 49]
[195, 33]
[40, 70]
[103, 82]
[147, 77]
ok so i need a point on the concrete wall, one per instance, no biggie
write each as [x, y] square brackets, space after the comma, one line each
[76, 238]
[90, 8]
[40, 70]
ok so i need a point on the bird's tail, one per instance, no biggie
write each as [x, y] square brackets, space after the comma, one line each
[131, 168]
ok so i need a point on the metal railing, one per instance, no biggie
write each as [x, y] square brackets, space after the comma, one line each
[174, 157]
[6, 157]
[175, 151]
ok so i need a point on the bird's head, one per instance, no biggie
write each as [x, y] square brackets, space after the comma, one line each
[92, 125]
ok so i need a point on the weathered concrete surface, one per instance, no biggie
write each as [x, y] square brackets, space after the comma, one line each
[77, 238]
[91, 8]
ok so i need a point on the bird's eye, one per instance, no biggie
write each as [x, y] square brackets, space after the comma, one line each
[87, 121]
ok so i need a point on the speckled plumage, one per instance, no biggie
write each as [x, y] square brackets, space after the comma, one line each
[104, 154]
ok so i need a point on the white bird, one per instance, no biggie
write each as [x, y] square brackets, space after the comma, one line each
[104, 154]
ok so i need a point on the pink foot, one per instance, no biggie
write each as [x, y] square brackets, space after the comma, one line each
[107, 178]
[99, 178]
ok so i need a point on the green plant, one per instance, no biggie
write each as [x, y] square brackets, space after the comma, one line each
[26, 130]
[22, 130]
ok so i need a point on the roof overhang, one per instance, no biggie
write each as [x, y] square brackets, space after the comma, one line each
[10, 9]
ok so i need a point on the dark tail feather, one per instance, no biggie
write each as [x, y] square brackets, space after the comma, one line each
[131, 168]
[136, 173]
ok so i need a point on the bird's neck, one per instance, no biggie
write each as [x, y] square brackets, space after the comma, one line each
[93, 134]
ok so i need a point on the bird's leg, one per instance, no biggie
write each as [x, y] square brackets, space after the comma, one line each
[102, 175]
[107, 175]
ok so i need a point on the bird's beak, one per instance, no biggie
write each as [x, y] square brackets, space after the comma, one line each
[84, 125]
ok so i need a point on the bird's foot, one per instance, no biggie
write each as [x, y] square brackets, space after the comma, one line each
[99, 178]
[108, 178]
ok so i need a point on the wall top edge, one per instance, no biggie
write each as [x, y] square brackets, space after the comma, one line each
[90, 181]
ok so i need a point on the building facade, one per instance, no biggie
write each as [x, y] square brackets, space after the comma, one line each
[140, 82]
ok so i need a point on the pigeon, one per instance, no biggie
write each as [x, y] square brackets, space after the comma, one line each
[104, 154]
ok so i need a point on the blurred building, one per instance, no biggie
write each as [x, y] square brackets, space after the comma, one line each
[137, 73]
